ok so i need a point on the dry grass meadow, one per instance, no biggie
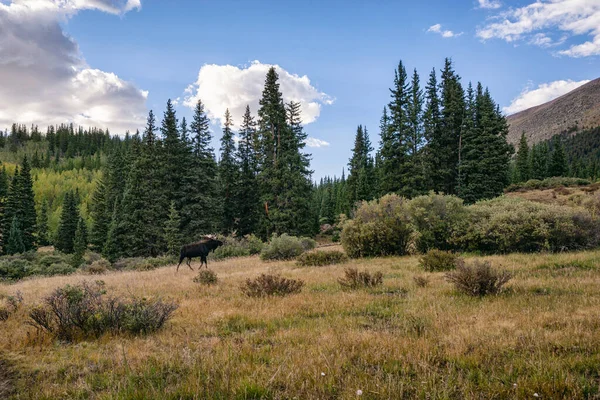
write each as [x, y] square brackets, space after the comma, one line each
[540, 338]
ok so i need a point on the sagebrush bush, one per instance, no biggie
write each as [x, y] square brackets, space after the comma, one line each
[379, 228]
[206, 277]
[478, 278]
[355, 279]
[98, 267]
[439, 260]
[271, 285]
[433, 218]
[142, 264]
[9, 305]
[284, 247]
[548, 183]
[421, 281]
[84, 310]
[308, 243]
[509, 224]
[319, 258]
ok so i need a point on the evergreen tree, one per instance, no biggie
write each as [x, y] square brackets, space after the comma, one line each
[80, 243]
[558, 162]
[523, 160]
[145, 202]
[11, 207]
[100, 216]
[539, 161]
[174, 159]
[172, 233]
[201, 210]
[15, 243]
[27, 214]
[248, 195]
[228, 174]
[67, 228]
[360, 168]
[415, 182]
[431, 129]
[43, 236]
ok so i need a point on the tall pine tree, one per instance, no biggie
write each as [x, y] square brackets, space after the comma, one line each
[228, 174]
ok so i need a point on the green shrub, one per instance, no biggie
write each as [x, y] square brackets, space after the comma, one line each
[271, 285]
[548, 183]
[319, 258]
[379, 228]
[84, 310]
[282, 247]
[354, 279]
[142, 264]
[434, 217]
[439, 260]
[308, 243]
[508, 224]
[206, 277]
[254, 244]
[478, 279]
[238, 247]
[15, 268]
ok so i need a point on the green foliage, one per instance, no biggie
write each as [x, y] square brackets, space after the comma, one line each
[206, 277]
[320, 258]
[523, 160]
[142, 263]
[248, 196]
[69, 220]
[84, 310]
[433, 218]
[98, 267]
[228, 174]
[19, 266]
[80, 243]
[478, 279]
[355, 279]
[172, 233]
[558, 161]
[509, 224]
[42, 225]
[284, 247]
[439, 260]
[271, 285]
[380, 228]
[15, 238]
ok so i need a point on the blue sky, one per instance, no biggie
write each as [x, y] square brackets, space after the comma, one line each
[348, 50]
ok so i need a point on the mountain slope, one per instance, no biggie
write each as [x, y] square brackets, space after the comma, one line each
[576, 110]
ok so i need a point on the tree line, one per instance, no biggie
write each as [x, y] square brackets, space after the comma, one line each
[445, 139]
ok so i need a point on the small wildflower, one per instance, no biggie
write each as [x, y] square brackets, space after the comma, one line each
[322, 373]
[514, 385]
[536, 395]
[359, 392]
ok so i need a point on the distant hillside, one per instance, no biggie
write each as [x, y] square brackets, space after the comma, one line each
[576, 110]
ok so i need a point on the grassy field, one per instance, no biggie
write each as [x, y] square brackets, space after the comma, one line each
[540, 338]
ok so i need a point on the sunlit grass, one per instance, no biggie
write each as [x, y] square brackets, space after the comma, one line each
[397, 341]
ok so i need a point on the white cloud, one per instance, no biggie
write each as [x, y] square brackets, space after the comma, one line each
[573, 17]
[437, 28]
[490, 4]
[313, 142]
[543, 93]
[45, 79]
[227, 86]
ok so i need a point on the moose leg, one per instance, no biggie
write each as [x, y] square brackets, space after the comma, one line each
[203, 261]
[189, 263]
[180, 261]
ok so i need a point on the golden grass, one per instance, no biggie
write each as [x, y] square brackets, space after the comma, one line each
[400, 341]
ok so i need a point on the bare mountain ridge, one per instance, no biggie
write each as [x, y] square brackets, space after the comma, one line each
[579, 108]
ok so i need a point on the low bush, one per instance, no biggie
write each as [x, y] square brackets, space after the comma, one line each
[433, 218]
[142, 264]
[379, 228]
[206, 277]
[282, 247]
[421, 281]
[308, 243]
[98, 267]
[355, 279]
[271, 285]
[84, 310]
[548, 183]
[478, 279]
[439, 260]
[509, 224]
[9, 305]
[238, 247]
[319, 258]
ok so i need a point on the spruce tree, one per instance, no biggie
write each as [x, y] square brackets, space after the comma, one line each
[174, 158]
[415, 182]
[431, 130]
[43, 235]
[145, 203]
[228, 174]
[201, 210]
[11, 207]
[523, 160]
[248, 195]
[100, 216]
[80, 243]
[67, 228]
[14, 244]
[172, 233]
[539, 161]
[358, 168]
[27, 214]
[558, 161]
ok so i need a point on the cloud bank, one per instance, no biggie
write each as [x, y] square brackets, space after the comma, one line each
[227, 86]
[543, 93]
[539, 21]
[45, 79]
